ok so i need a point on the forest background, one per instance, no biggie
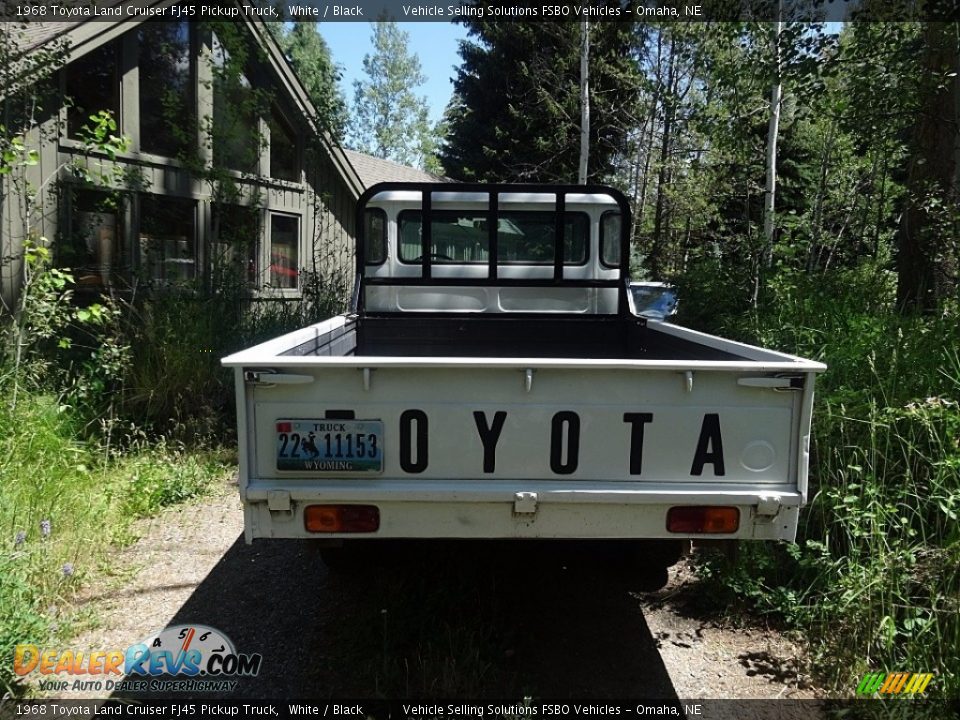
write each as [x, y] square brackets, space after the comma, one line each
[800, 187]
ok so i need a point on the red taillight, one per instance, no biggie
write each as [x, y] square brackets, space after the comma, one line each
[703, 519]
[341, 518]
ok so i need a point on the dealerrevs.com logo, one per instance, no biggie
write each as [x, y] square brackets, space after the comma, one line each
[188, 658]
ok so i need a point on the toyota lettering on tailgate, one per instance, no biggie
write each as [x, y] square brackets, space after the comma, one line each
[357, 446]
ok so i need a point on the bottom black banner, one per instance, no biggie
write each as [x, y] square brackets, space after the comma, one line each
[898, 709]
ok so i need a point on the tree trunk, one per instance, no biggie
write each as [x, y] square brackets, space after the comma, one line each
[773, 130]
[635, 168]
[654, 102]
[881, 201]
[584, 103]
[663, 177]
[926, 264]
[813, 253]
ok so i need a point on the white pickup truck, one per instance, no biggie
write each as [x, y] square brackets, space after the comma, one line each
[494, 379]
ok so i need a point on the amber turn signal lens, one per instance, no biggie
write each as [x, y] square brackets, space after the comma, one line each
[703, 519]
[341, 518]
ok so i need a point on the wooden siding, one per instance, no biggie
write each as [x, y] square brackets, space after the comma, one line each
[323, 201]
[333, 223]
[23, 187]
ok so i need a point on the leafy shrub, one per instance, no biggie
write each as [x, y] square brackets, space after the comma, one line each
[159, 476]
[874, 580]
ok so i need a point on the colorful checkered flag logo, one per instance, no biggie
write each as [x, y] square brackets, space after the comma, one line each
[894, 683]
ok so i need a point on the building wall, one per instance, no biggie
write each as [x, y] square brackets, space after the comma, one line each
[322, 200]
[333, 216]
[29, 207]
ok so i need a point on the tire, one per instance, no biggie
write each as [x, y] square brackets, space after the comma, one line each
[663, 552]
[650, 560]
[651, 579]
[347, 559]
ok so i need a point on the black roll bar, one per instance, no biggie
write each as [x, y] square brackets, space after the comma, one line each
[493, 192]
[493, 247]
[558, 245]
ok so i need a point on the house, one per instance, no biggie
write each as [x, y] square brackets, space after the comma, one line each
[372, 170]
[228, 175]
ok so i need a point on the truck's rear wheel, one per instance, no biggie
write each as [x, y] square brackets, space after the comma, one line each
[651, 579]
[649, 560]
[347, 559]
[663, 552]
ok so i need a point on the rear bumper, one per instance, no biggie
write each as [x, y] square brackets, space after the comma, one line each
[489, 509]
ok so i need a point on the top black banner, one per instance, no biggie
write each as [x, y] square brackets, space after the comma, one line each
[483, 10]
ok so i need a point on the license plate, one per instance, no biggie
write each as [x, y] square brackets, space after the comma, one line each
[330, 445]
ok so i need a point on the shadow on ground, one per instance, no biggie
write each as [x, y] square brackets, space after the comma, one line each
[445, 619]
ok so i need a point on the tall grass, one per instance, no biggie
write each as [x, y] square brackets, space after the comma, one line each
[64, 503]
[174, 383]
[119, 410]
[874, 581]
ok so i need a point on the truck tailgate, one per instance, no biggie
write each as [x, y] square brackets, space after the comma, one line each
[603, 426]
[525, 447]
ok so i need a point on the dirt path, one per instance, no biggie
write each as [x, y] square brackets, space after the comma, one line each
[467, 622]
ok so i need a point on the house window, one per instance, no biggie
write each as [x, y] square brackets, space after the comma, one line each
[166, 88]
[235, 128]
[168, 247]
[233, 257]
[284, 250]
[283, 149]
[92, 248]
[92, 86]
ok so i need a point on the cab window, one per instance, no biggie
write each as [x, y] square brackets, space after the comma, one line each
[610, 239]
[523, 237]
[374, 236]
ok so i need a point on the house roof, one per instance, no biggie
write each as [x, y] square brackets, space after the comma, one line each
[83, 36]
[36, 34]
[373, 170]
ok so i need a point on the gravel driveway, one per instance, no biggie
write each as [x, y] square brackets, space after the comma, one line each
[467, 620]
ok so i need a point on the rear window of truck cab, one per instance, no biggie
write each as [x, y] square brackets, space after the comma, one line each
[524, 237]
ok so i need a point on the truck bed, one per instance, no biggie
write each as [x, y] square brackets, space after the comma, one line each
[644, 403]
[476, 336]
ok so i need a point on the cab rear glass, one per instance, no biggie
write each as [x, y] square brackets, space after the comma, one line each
[524, 237]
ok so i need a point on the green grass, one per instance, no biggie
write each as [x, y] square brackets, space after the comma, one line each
[65, 503]
[874, 581]
[89, 438]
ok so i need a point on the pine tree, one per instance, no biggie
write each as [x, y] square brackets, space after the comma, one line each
[929, 250]
[390, 120]
[516, 110]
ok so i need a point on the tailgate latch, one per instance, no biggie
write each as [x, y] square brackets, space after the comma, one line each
[524, 503]
[778, 383]
[768, 507]
[269, 378]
